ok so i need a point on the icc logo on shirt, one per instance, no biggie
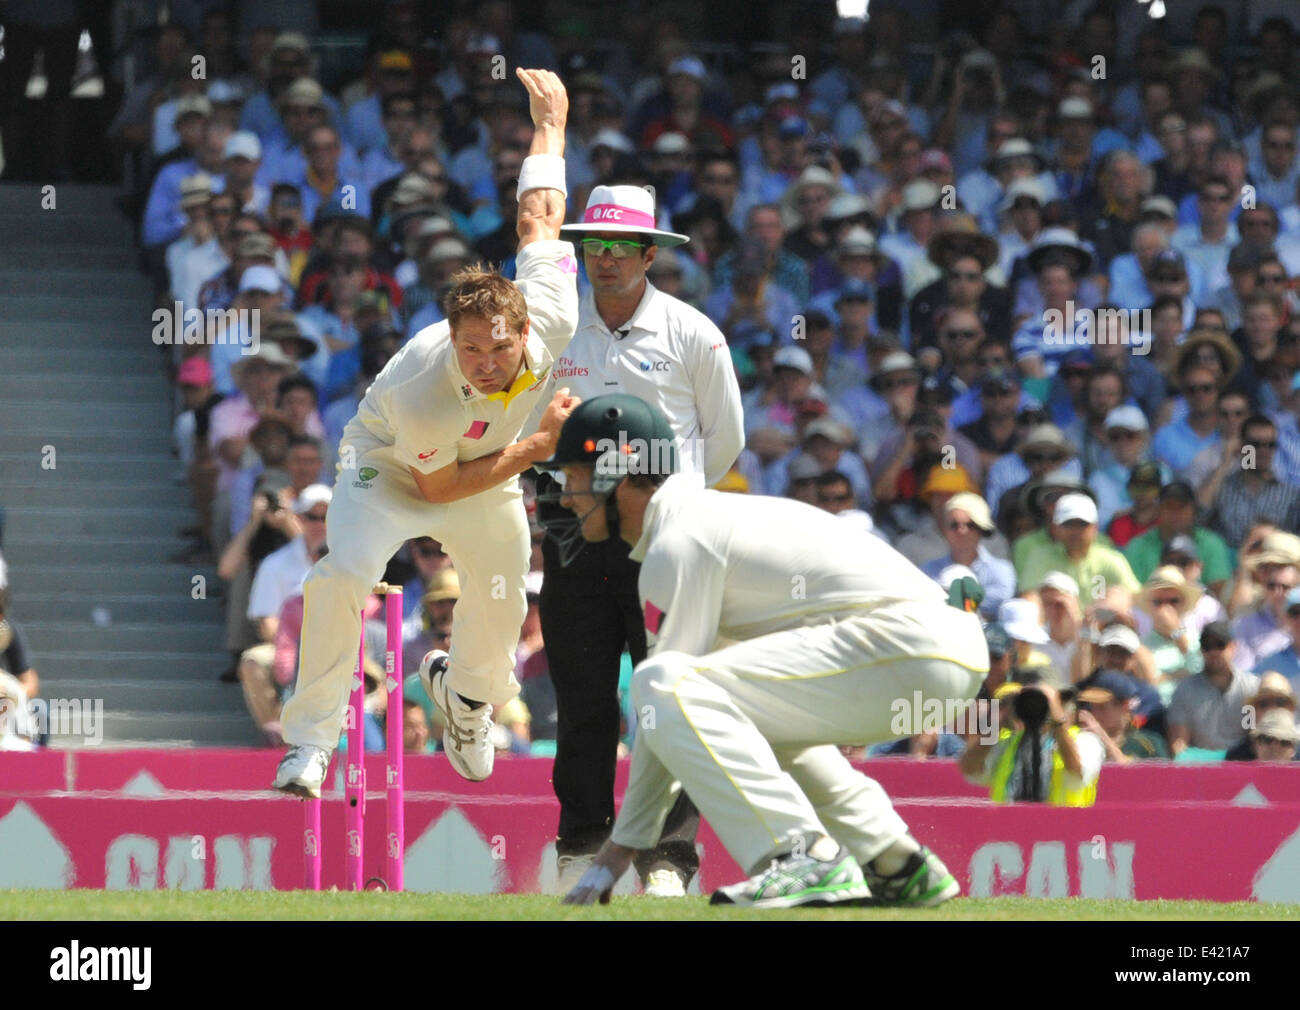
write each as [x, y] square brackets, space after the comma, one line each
[654, 366]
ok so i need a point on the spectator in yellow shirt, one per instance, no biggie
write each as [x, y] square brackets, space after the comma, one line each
[1096, 568]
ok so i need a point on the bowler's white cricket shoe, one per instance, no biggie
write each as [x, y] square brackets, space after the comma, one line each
[467, 735]
[664, 884]
[799, 880]
[302, 771]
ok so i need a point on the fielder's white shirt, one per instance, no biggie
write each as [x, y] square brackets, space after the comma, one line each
[718, 565]
[730, 567]
[672, 356]
[422, 412]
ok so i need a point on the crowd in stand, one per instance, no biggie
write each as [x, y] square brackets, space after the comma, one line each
[1027, 321]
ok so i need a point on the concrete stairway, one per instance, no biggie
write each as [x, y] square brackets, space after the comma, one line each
[88, 483]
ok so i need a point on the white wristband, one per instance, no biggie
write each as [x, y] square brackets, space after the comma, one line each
[542, 171]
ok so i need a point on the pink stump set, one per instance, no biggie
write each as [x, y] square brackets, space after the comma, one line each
[355, 769]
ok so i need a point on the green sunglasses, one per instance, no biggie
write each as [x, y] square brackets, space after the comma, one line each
[619, 248]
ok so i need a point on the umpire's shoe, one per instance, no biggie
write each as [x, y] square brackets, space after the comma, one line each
[466, 736]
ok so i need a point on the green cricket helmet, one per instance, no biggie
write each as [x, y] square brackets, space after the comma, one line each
[618, 435]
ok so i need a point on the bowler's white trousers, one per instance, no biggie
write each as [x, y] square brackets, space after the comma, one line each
[487, 538]
[749, 731]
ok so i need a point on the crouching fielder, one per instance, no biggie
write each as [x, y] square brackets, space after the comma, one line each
[775, 634]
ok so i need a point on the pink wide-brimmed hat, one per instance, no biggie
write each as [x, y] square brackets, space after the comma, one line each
[621, 209]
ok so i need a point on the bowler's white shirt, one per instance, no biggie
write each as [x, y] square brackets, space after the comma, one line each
[422, 412]
[674, 357]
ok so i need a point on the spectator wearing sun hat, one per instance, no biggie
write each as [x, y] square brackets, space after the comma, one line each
[1022, 620]
[261, 291]
[916, 224]
[1075, 550]
[241, 160]
[1106, 708]
[1040, 450]
[255, 377]
[926, 540]
[1273, 738]
[1168, 599]
[1128, 437]
[1274, 695]
[1181, 552]
[967, 527]
[430, 626]
[1063, 617]
[163, 218]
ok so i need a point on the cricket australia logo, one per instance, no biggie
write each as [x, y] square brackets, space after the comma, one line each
[367, 475]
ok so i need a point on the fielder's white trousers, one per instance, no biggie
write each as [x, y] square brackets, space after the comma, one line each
[488, 540]
[749, 731]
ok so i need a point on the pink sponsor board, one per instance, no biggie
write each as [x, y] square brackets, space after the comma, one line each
[504, 842]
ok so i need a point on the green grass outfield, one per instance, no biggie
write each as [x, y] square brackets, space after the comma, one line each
[207, 905]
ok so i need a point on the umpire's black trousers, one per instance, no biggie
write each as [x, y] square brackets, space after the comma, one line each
[590, 613]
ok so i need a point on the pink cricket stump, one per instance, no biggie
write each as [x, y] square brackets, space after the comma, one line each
[355, 783]
[311, 843]
[396, 798]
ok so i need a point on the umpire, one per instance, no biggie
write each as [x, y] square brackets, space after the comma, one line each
[631, 338]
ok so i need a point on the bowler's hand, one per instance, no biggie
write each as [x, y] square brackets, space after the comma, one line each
[597, 884]
[557, 412]
[548, 102]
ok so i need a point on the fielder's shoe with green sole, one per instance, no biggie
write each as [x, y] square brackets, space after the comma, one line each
[923, 882]
[799, 880]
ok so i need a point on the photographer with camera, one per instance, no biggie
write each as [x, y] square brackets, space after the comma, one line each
[1043, 758]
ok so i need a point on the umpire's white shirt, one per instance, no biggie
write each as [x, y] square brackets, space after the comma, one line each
[673, 356]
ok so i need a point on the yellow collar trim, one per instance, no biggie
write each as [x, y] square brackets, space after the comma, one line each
[526, 378]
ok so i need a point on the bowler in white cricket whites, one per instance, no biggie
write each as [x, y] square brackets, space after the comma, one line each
[749, 687]
[434, 450]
